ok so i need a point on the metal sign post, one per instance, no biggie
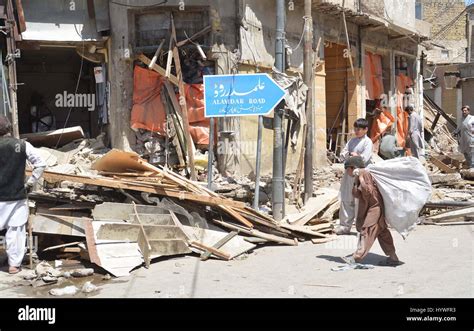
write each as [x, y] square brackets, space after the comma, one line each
[241, 95]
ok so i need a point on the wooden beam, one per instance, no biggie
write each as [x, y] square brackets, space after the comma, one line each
[143, 241]
[219, 244]
[173, 79]
[258, 234]
[182, 102]
[112, 183]
[442, 166]
[214, 251]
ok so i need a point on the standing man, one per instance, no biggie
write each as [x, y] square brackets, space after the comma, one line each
[466, 145]
[415, 130]
[370, 222]
[13, 191]
[361, 146]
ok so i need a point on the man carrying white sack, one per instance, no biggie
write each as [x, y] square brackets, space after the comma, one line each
[13, 191]
[370, 222]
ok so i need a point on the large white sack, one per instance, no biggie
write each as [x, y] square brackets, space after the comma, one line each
[405, 188]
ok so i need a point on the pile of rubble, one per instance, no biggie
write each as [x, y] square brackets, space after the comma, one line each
[119, 212]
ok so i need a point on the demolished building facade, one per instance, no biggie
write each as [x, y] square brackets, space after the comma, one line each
[103, 40]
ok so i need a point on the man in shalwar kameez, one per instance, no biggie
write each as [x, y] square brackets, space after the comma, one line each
[466, 143]
[415, 132]
[13, 191]
[362, 146]
[370, 222]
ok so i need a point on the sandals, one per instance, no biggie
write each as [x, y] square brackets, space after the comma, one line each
[14, 270]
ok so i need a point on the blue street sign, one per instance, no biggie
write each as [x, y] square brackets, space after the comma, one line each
[240, 95]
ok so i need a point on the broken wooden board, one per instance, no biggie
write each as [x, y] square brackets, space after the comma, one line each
[73, 206]
[173, 79]
[55, 138]
[304, 229]
[453, 214]
[141, 187]
[219, 244]
[313, 207]
[442, 166]
[328, 215]
[117, 258]
[118, 246]
[234, 247]
[216, 252]
[324, 240]
[258, 234]
[59, 225]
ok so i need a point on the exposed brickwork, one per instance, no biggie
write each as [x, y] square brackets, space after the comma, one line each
[440, 13]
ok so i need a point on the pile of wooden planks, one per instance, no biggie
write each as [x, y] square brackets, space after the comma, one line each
[438, 128]
[126, 171]
[317, 218]
[457, 216]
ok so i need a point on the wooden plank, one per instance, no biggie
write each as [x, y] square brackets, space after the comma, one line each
[219, 244]
[304, 230]
[462, 212]
[329, 213]
[106, 182]
[442, 166]
[209, 237]
[317, 204]
[73, 206]
[172, 122]
[184, 107]
[173, 79]
[54, 138]
[323, 240]
[214, 251]
[143, 241]
[258, 234]
[61, 246]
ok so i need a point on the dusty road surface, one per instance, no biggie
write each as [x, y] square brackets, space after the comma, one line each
[438, 263]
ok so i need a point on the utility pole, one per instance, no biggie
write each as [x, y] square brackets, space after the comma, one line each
[278, 185]
[11, 60]
[308, 79]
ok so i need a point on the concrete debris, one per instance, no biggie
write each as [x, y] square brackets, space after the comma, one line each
[68, 290]
[88, 287]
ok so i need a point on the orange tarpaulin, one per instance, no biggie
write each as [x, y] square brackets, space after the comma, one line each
[373, 76]
[402, 116]
[148, 110]
[381, 124]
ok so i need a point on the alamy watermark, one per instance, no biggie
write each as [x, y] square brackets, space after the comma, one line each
[75, 100]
